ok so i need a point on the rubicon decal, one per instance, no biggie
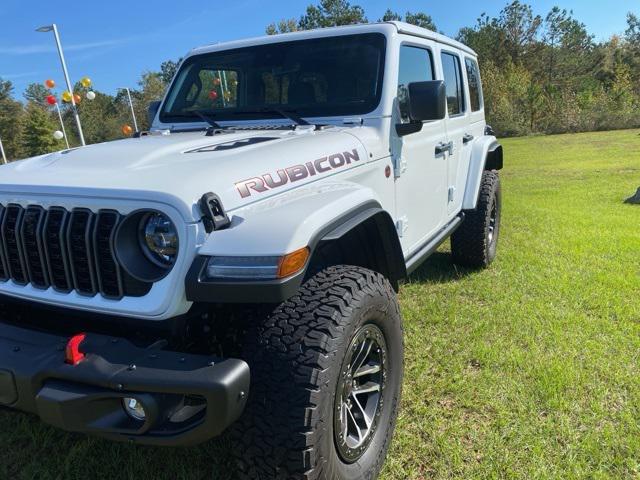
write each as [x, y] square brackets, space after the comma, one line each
[295, 173]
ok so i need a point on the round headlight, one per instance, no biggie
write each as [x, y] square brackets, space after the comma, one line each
[159, 239]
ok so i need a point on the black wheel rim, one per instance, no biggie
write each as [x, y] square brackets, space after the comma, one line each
[492, 232]
[360, 394]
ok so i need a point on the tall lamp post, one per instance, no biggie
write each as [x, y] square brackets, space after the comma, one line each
[4, 157]
[133, 113]
[53, 28]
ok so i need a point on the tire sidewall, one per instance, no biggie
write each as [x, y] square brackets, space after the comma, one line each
[377, 310]
[496, 199]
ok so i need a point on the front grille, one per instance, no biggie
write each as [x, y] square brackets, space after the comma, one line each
[64, 250]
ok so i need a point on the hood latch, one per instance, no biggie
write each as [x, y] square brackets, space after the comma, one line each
[213, 215]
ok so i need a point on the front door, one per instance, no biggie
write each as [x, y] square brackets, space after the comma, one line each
[421, 174]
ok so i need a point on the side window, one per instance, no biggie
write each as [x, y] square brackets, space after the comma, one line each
[475, 87]
[453, 80]
[416, 65]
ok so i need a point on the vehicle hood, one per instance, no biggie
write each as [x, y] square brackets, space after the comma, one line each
[185, 166]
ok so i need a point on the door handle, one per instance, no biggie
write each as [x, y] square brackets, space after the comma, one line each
[443, 147]
[467, 138]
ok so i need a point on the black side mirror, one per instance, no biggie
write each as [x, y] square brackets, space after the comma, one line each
[153, 111]
[427, 102]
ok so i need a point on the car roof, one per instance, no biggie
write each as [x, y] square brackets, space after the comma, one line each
[383, 27]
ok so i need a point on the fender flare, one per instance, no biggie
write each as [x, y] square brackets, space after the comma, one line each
[300, 218]
[486, 154]
[392, 262]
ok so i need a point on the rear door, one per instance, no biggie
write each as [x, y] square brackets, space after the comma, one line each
[421, 175]
[457, 125]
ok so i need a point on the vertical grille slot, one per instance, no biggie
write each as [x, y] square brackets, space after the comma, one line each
[107, 269]
[32, 246]
[10, 238]
[79, 242]
[55, 248]
[4, 271]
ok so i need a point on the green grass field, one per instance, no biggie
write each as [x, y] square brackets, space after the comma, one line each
[527, 370]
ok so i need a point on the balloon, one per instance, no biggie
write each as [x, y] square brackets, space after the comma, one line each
[76, 98]
[86, 82]
[213, 94]
[58, 135]
[51, 99]
[216, 81]
[66, 96]
[127, 130]
[91, 95]
[49, 83]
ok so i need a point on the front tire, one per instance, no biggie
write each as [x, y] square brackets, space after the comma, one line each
[326, 376]
[475, 243]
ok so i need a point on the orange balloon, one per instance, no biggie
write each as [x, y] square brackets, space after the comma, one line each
[49, 83]
[127, 130]
[77, 98]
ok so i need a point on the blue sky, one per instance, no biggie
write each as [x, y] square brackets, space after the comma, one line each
[114, 41]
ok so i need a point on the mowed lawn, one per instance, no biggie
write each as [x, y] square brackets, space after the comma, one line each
[527, 370]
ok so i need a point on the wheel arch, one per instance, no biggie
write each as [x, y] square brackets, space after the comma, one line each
[486, 154]
[367, 238]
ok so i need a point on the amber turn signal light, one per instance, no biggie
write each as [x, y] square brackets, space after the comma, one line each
[292, 263]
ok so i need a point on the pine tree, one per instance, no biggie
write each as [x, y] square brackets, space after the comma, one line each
[37, 135]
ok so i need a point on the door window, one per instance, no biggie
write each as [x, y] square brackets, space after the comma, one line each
[453, 81]
[416, 65]
[475, 87]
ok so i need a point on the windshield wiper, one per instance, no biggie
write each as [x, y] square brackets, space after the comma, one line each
[288, 114]
[208, 119]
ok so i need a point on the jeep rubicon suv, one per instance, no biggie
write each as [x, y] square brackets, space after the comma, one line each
[235, 268]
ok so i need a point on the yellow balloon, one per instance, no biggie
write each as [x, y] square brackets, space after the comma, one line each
[86, 82]
[66, 96]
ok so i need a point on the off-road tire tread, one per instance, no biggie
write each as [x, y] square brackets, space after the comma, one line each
[469, 243]
[290, 355]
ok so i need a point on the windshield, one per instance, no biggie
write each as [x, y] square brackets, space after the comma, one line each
[313, 78]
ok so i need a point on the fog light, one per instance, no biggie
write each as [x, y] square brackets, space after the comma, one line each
[134, 409]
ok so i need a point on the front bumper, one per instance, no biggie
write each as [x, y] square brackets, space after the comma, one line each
[187, 399]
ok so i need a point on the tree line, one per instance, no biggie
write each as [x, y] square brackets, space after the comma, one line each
[541, 74]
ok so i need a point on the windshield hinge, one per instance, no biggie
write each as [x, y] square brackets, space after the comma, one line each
[353, 121]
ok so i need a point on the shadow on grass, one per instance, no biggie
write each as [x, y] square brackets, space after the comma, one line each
[439, 269]
[36, 450]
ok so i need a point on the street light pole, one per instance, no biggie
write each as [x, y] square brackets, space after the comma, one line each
[64, 132]
[4, 157]
[133, 113]
[53, 28]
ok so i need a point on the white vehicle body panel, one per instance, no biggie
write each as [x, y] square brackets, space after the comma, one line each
[166, 172]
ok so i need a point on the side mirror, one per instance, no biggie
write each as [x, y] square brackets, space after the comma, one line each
[427, 102]
[153, 111]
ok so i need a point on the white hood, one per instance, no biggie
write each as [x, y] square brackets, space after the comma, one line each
[182, 166]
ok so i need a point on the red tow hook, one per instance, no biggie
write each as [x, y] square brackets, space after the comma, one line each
[72, 354]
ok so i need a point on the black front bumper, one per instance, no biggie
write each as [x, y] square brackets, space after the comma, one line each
[187, 398]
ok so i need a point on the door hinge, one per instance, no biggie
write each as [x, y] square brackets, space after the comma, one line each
[452, 193]
[402, 225]
[400, 166]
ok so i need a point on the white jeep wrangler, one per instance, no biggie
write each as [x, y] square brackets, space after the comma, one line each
[236, 267]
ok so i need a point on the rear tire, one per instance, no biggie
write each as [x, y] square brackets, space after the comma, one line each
[307, 366]
[475, 243]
